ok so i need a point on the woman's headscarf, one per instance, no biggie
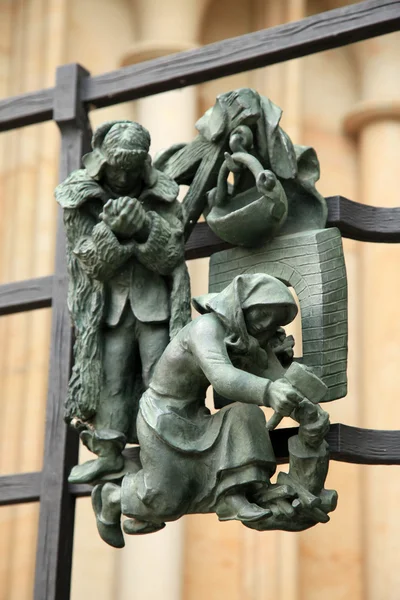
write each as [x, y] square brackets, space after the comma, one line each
[244, 292]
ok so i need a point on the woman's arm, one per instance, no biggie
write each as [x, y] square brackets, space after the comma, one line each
[207, 344]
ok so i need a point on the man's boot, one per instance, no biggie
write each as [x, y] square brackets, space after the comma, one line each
[108, 445]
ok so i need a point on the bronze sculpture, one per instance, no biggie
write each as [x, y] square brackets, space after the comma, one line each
[195, 462]
[129, 288]
[130, 299]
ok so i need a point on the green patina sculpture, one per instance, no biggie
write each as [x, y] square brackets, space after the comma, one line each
[275, 215]
[245, 124]
[195, 462]
[312, 262]
[142, 367]
[129, 288]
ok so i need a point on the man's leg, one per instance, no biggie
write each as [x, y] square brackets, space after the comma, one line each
[153, 338]
[119, 370]
[115, 410]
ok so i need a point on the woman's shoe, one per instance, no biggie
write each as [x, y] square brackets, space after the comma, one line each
[238, 508]
[110, 531]
[136, 527]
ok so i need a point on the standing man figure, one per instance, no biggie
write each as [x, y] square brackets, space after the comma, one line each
[129, 287]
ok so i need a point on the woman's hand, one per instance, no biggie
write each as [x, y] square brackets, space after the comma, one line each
[283, 397]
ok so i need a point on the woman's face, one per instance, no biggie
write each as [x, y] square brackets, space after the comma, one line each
[263, 321]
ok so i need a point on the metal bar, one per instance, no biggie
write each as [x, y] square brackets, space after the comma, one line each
[23, 487]
[26, 109]
[347, 444]
[57, 506]
[366, 446]
[319, 32]
[355, 221]
[203, 242]
[323, 31]
[363, 222]
[80, 490]
[29, 294]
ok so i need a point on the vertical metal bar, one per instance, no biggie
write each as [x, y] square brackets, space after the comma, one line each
[57, 506]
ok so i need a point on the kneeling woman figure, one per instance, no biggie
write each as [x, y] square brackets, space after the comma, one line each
[193, 461]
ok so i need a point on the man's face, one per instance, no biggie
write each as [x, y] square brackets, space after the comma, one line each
[122, 180]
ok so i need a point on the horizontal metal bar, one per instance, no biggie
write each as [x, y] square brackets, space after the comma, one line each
[29, 294]
[323, 31]
[26, 109]
[347, 444]
[364, 446]
[363, 222]
[80, 490]
[355, 221]
[203, 242]
[22, 487]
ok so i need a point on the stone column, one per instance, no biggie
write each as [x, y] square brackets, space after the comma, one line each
[273, 568]
[97, 33]
[376, 124]
[152, 566]
[229, 560]
[32, 48]
[330, 563]
[36, 37]
[170, 117]
[166, 28]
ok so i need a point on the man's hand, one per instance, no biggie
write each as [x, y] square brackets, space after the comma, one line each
[125, 216]
[283, 397]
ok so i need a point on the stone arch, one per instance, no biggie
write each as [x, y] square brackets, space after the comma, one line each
[313, 264]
